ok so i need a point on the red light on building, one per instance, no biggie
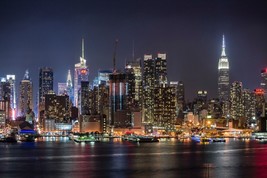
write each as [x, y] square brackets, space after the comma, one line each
[83, 71]
[264, 70]
[259, 91]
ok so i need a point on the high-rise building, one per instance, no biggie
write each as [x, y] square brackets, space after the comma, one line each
[25, 95]
[134, 84]
[5, 93]
[69, 87]
[62, 88]
[81, 73]
[154, 75]
[148, 88]
[236, 100]
[85, 102]
[117, 94]
[223, 75]
[249, 102]
[46, 79]
[200, 101]
[165, 107]
[57, 107]
[4, 113]
[160, 69]
[264, 81]
[13, 103]
[260, 101]
[103, 77]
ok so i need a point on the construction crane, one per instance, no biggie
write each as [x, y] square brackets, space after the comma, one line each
[114, 56]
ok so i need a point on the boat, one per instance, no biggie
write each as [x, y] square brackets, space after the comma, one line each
[195, 138]
[85, 139]
[27, 138]
[218, 140]
[9, 140]
[205, 139]
[140, 138]
[147, 139]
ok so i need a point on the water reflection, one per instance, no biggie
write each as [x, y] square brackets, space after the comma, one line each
[168, 158]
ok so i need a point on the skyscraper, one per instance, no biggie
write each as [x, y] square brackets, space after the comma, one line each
[69, 87]
[117, 94]
[236, 100]
[46, 79]
[13, 103]
[160, 69]
[249, 102]
[134, 84]
[81, 73]
[165, 107]
[85, 102]
[148, 88]
[25, 95]
[223, 75]
[264, 81]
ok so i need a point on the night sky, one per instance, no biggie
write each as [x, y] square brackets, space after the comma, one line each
[38, 33]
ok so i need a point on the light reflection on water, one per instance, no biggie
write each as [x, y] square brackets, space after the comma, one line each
[167, 158]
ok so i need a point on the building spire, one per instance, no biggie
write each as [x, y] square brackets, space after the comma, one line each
[223, 47]
[83, 48]
[69, 81]
[26, 75]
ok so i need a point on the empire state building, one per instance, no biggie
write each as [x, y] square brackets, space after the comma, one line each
[223, 75]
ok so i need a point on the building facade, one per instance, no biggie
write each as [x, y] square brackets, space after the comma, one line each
[81, 73]
[46, 80]
[25, 95]
[264, 81]
[134, 84]
[223, 75]
[148, 89]
[236, 100]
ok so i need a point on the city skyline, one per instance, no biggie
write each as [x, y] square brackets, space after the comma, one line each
[44, 33]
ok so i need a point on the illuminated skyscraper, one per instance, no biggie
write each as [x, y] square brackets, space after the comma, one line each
[25, 95]
[134, 84]
[249, 102]
[62, 88]
[236, 100]
[81, 73]
[164, 107]
[46, 79]
[117, 94]
[85, 102]
[69, 87]
[264, 81]
[5, 93]
[148, 88]
[223, 75]
[160, 69]
[13, 103]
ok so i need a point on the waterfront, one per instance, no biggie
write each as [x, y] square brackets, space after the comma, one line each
[167, 158]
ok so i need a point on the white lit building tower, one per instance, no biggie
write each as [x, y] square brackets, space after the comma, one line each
[223, 75]
[81, 73]
[13, 103]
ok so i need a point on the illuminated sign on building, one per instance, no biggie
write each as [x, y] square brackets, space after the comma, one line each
[83, 71]
[259, 91]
